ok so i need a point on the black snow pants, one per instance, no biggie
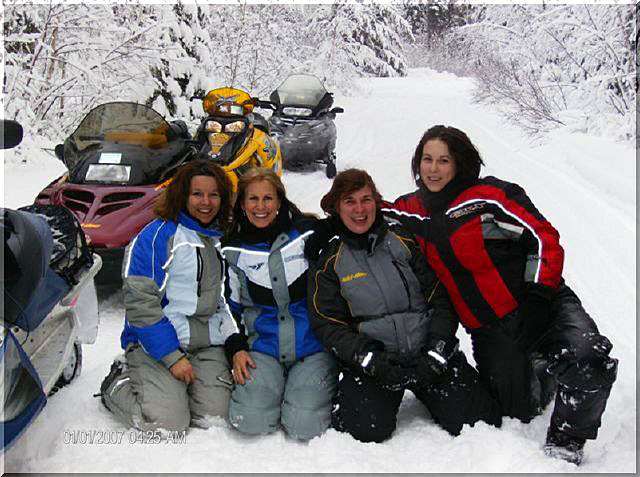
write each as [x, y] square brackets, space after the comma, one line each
[570, 358]
[368, 411]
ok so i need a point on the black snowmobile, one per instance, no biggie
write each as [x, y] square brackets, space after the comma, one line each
[303, 123]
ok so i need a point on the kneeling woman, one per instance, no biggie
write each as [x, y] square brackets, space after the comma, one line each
[501, 262]
[175, 370]
[281, 372]
[378, 306]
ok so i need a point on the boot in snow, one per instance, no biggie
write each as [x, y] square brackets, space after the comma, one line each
[117, 368]
[561, 445]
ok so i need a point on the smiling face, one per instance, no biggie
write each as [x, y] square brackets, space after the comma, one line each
[357, 210]
[437, 167]
[261, 203]
[204, 199]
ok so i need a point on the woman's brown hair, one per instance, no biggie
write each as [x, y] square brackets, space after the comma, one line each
[463, 152]
[173, 200]
[345, 183]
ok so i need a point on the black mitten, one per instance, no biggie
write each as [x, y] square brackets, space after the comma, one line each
[388, 370]
[432, 362]
[323, 230]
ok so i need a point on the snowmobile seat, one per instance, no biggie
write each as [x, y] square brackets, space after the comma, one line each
[32, 288]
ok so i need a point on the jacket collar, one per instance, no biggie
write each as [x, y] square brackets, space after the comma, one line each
[366, 241]
[191, 223]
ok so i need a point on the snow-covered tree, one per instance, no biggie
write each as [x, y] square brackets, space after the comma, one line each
[430, 20]
[368, 36]
[255, 46]
[547, 65]
[186, 67]
[62, 59]
[432, 23]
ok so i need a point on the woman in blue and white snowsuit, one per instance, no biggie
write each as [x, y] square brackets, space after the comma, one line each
[281, 371]
[175, 370]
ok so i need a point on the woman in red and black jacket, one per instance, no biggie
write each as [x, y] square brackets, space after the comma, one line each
[501, 262]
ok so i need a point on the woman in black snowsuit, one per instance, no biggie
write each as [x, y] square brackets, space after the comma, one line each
[501, 262]
[378, 307]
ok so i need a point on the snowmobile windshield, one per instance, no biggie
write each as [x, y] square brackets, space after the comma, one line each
[121, 142]
[300, 92]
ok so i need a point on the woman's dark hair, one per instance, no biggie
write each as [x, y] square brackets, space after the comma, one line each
[345, 183]
[258, 174]
[463, 152]
[173, 200]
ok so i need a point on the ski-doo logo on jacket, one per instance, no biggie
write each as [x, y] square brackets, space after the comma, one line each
[353, 276]
[466, 210]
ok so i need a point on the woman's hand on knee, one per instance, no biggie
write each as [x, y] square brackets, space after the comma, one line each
[183, 370]
[241, 363]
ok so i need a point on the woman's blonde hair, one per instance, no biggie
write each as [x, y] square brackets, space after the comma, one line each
[258, 174]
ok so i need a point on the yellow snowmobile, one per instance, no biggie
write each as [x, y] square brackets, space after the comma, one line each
[235, 136]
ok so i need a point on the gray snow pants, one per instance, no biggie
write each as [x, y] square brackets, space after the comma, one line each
[297, 395]
[147, 396]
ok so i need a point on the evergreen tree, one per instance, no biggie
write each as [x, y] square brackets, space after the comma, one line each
[369, 37]
[431, 21]
[186, 68]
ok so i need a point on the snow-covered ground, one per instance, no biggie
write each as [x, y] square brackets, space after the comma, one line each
[586, 187]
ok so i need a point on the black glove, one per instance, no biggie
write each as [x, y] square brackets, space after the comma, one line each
[432, 361]
[533, 317]
[234, 343]
[391, 372]
[323, 230]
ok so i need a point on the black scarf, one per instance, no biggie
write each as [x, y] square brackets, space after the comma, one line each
[438, 201]
[246, 232]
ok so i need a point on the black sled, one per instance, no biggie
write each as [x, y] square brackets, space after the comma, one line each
[303, 123]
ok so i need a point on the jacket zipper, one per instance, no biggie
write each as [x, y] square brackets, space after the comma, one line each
[404, 282]
[406, 289]
[199, 269]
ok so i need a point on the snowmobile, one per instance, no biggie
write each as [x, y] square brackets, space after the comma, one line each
[49, 309]
[235, 136]
[119, 159]
[304, 124]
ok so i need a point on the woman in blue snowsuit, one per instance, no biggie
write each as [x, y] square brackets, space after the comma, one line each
[282, 374]
[175, 372]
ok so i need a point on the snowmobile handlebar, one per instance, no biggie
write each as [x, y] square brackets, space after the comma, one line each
[264, 104]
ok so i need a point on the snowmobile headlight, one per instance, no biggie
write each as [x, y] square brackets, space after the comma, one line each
[291, 111]
[234, 127]
[213, 126]
[108, 173]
